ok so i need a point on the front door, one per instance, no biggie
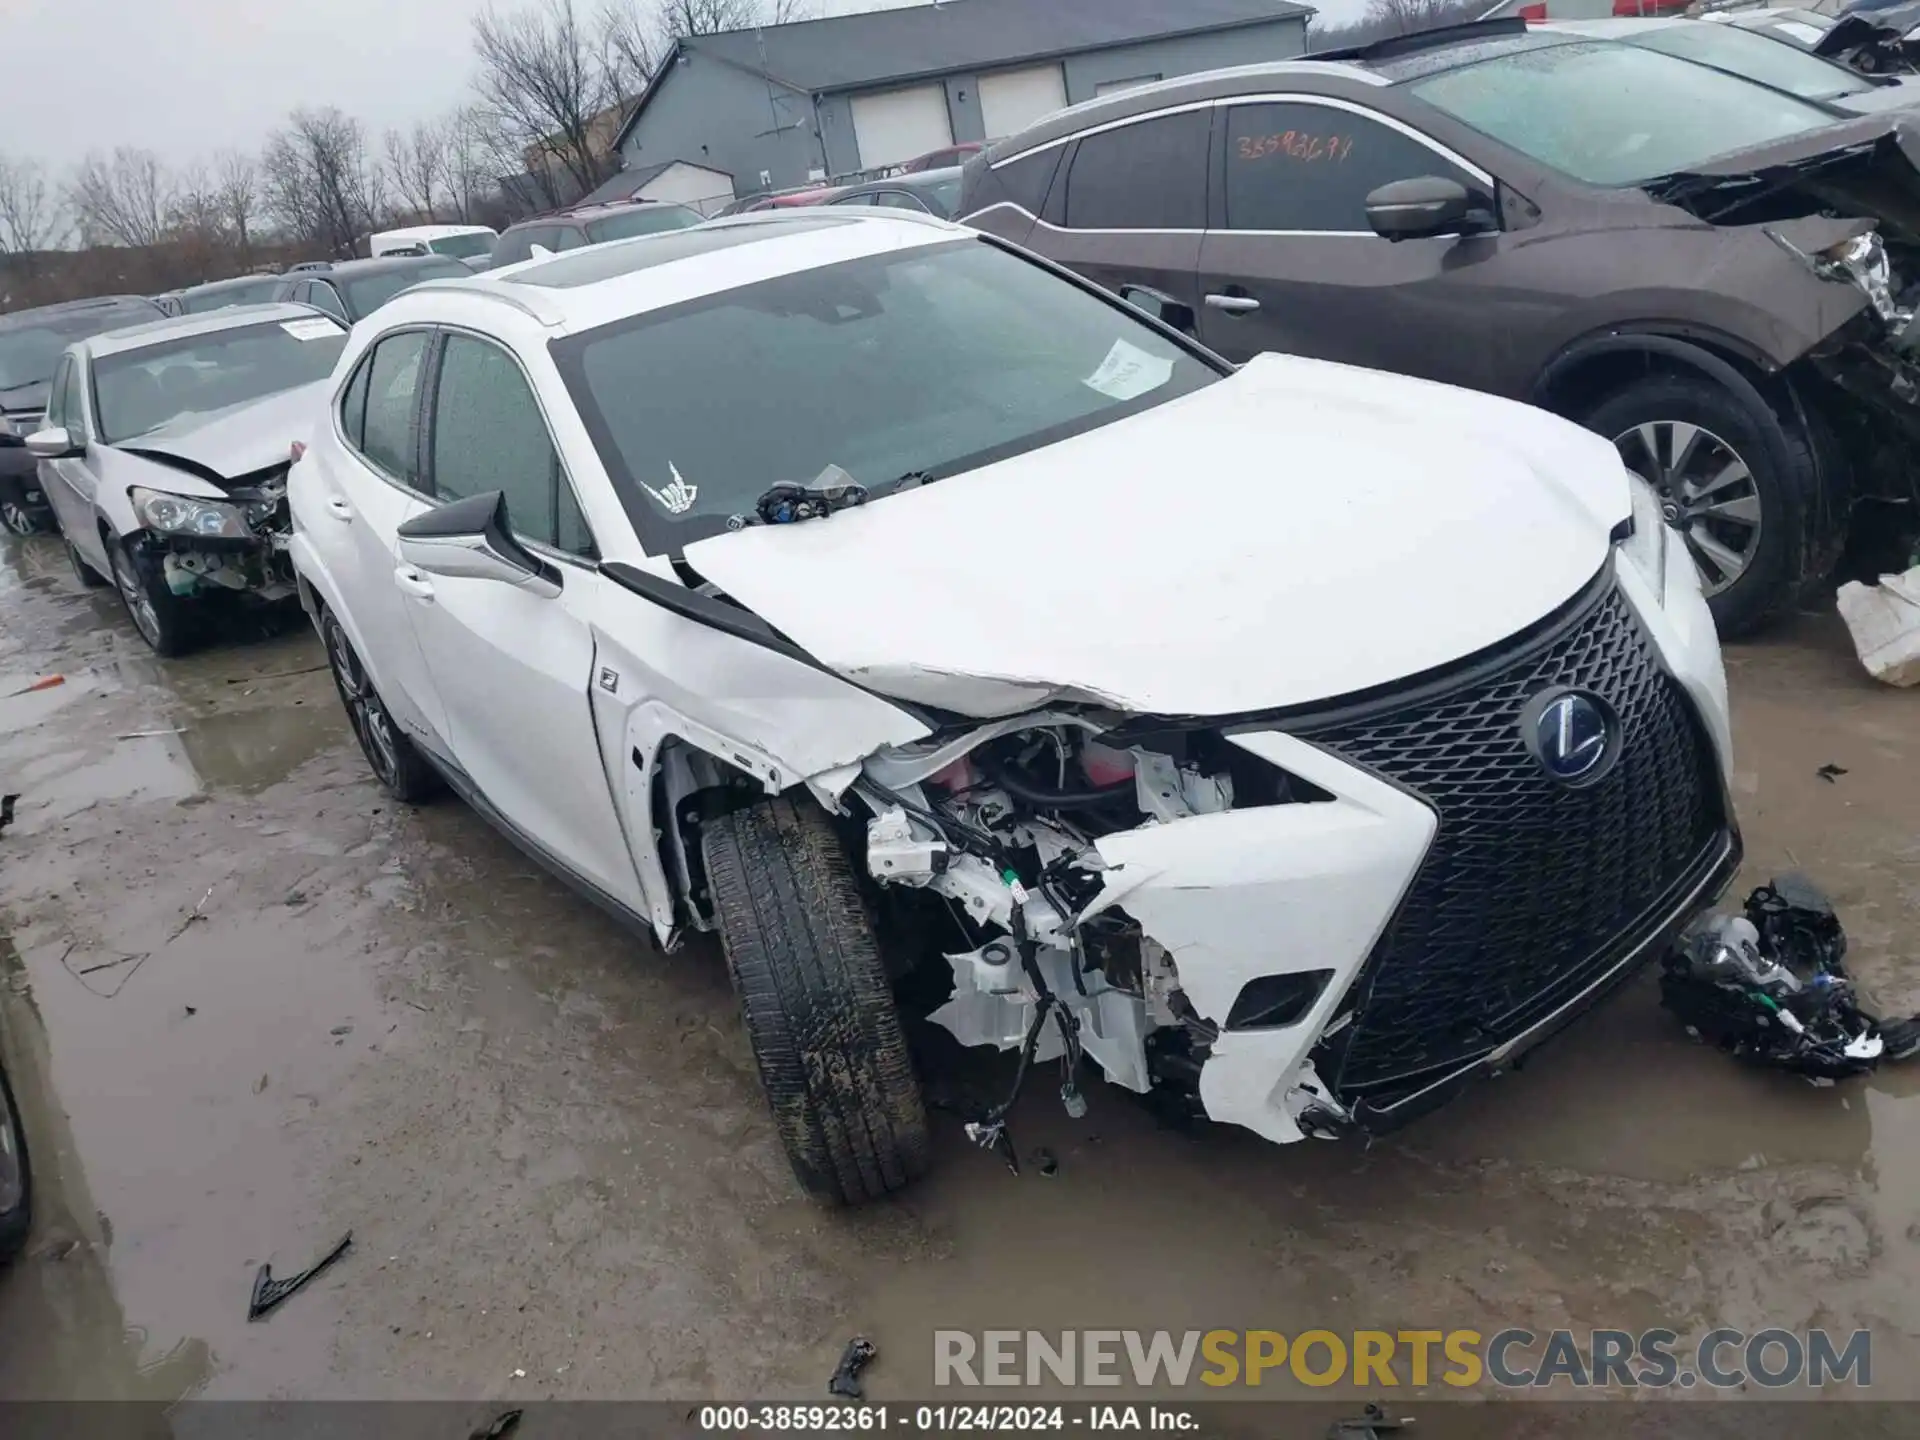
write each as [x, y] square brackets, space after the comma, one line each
[1290, 263]
[69, 484]
[514, 668]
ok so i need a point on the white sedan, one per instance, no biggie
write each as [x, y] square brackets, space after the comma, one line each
[1296, 741]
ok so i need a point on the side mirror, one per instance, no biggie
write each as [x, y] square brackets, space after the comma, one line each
[472, 539]
[1161, 306]
[1414, 209]
[53, 444]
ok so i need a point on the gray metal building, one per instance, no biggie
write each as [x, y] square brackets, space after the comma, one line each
[785, 104]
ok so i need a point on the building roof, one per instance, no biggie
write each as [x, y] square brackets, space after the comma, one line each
[850, 52]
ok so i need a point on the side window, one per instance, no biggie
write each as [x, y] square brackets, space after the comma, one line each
[322, 296]
[568, 238]
[1147, 176]
[1024, 182]
[73, 405]
[489, 434]
[1311, 167]
[864, 198]
[391, 431]
[353, 404]
[899, 200]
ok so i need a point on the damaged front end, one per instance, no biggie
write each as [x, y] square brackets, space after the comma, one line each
[1851, 217]
[229, 542]
[1305, 924]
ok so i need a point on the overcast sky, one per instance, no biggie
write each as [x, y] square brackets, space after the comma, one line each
[187, 78]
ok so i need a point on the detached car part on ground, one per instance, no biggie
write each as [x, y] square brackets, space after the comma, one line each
[165, 458]
[1295, 743]
[1543, 216]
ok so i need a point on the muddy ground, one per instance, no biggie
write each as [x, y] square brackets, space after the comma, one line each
[251, 1005]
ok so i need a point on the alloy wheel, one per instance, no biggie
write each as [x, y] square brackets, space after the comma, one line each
[17, 518]
[372, 726]
[146, 618]
[1706, 490]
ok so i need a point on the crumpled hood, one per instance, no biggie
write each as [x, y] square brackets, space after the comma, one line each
[1300, 531]
[237, 441]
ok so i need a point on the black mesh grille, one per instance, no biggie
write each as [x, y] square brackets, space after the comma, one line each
[1529, 885]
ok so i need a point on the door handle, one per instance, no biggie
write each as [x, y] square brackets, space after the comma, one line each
[413, 582]
[1233, 304]
[338, 508]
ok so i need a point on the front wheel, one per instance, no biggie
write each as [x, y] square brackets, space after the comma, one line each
[1747, 518]
[819, 1013]
[162, 617]
[396, 762]
[19, 517]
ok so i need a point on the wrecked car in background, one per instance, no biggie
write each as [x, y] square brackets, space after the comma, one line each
[1296, 742]
[165, 452]
[1541, 215]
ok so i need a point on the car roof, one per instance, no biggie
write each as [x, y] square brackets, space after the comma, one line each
[910, 180]
[431, 232]
[185, 327]
[378, 265]
[21, 319]
[587, 288]
[580, 214]
[213, 287]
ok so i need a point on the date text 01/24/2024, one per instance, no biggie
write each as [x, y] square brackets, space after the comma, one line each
[941, 1419]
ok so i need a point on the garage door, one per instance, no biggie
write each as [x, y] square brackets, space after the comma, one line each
[1011, 100]
[897, 125]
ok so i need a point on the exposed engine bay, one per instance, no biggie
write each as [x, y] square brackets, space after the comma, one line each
[1001, 825]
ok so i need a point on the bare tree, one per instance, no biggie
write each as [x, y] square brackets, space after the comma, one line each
[319, 183]
[711, 17]
[417, 165]
[122, 199]
[29, 214]
[544, 81]
[237, 187]
[469, 161]
[1386, 18]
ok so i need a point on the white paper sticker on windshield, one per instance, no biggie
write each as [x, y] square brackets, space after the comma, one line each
[315, 329]
[1128, 371]
[1806, 34]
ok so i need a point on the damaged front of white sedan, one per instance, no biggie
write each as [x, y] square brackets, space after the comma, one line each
[1292, 742]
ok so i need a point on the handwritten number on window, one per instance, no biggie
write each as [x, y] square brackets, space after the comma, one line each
[1300, 145]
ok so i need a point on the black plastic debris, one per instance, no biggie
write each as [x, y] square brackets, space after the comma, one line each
[1372, 1423]
[268, 1292]
[1770, 987]
[1830, 773]
[846, 1375]
[504, 1424]
[6, 810]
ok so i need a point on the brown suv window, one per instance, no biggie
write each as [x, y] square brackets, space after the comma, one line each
[1311, 167]
[1147, 176]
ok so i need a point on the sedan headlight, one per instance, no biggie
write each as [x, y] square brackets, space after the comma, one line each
[1646, 543]
[189, 516]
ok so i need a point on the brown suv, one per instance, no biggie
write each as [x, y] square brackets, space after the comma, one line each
[1545, 216]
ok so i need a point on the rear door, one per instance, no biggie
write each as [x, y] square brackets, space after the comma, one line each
[514, 668]
[368, 488]
[1290, 262]
[1131, 207]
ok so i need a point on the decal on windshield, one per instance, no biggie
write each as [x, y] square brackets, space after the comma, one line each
[677, 497]
[1128, 372]
[310, 329]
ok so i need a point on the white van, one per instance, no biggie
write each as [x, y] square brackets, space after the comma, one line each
[458, 242]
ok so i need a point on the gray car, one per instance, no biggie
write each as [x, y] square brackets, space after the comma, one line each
[931, 192]
[1544, 216]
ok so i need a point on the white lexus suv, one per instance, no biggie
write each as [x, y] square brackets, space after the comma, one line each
[1295, 742]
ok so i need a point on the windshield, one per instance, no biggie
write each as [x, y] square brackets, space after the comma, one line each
[249, 292]
[648, 221]
[464, 247]
[932, 360]
[139, 390]
[1613, 114]
[29, 353]
[370, 292]
[1757, 57]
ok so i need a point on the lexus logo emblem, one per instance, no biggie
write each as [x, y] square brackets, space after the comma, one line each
[1572, 734]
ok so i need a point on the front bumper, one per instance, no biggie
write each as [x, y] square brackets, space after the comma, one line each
[1453, 906]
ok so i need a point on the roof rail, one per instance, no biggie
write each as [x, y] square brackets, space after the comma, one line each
[1419, 40]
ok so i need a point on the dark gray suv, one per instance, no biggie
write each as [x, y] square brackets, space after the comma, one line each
[1545, 216]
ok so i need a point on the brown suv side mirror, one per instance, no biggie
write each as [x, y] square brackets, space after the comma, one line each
[1413, 209]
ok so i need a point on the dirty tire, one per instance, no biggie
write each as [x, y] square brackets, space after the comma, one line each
[17, 1218]
[395, 760]
[1787, 551]
[164, 620]
[82, 571]
[819, 1012]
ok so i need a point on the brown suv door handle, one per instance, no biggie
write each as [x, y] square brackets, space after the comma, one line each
[1233, 304]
